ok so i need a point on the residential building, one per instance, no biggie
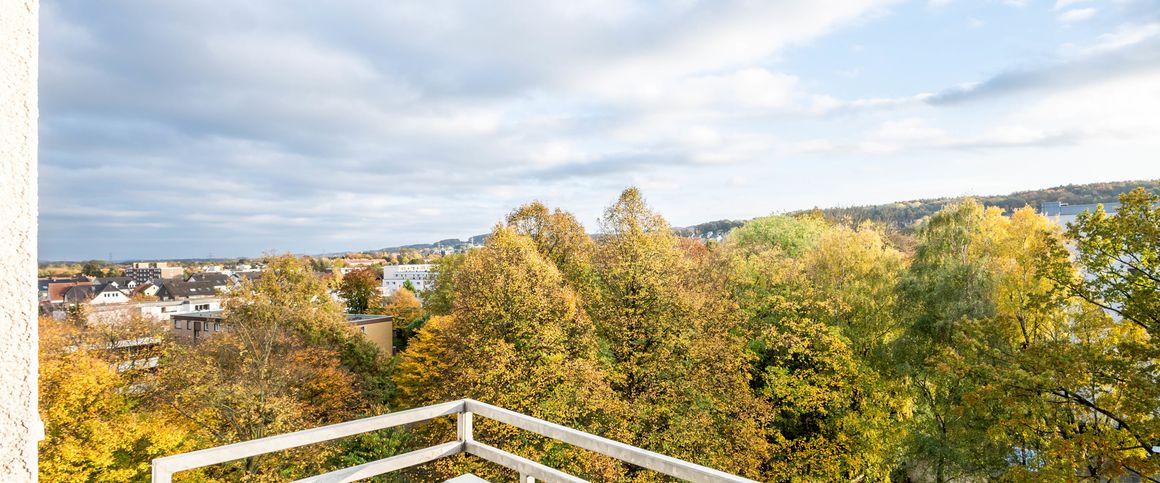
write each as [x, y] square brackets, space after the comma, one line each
[145, 271]
[251, 275]
[421, 276]
[176, 290]
[219, 279]
[148, 289]
[379, 329]
[43, 283]
[354, 264]
[157, 310]
[123, 283]
[95, 294]
[54, 292]
[195, 326]
[1063, 213]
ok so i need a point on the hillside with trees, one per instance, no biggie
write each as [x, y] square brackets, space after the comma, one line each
[904, 214]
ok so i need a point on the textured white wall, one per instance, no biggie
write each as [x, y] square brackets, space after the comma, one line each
[19, 423]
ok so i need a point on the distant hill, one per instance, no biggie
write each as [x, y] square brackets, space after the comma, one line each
[903, 214]
[450, 243]
[709, 229]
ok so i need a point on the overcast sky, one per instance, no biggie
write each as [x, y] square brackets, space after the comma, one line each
[181, 128]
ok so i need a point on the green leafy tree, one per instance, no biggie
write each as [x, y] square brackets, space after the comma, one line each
[791, 234]
[821, 323]
[440, 298]
[1121, 255]
[93, 268]
[1014, 377]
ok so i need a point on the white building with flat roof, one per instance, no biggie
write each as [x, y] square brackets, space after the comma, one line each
[1063, 213]
[421, 276]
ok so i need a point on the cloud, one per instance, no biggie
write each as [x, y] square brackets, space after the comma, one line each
[1128, 51]
[251, 123]
[169, 129]
[1077, 15]
[1062, 4]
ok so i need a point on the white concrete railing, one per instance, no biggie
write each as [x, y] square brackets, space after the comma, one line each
[464, 410]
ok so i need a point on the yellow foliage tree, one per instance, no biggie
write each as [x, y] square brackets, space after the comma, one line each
[97, 427]
[517, 338]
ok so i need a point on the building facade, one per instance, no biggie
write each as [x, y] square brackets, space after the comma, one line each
[1063, 213]
[146, 271]
[192, 327]
[421, 276]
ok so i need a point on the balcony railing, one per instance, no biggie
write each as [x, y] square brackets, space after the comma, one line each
[464, 411]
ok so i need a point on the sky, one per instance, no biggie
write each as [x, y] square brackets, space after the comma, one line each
[173, 130]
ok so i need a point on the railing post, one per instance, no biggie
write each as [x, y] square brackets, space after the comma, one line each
[463, 422]
[160, 475]
[524, 478]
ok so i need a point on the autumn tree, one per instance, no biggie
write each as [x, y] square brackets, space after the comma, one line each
[516, 337]
[360, 289]
[949, 286]
[1121, 255]
[820, 304]
[560, 238]
[403, 307]
[97, 428]
[440, 297]
[669, 339]
[1012, 375]
[1100, 367]
[287, 361]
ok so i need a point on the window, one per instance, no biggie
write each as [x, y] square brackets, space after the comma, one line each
[217, 326]
[176, 324]
[188, 325]
[363, 329]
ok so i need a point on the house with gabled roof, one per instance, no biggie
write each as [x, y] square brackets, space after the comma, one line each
[178, 290]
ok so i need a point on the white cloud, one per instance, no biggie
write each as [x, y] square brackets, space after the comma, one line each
[1077, 15]
[910, 133]
[1062, 4]
[1124, 36]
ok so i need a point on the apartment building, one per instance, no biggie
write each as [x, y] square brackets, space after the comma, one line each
[196, 326]
[421, 276]
[146, 271]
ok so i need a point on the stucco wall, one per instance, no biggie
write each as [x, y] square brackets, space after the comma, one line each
[19, 424]
[381, 334]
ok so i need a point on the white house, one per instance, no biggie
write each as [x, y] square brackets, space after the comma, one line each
[421, 276]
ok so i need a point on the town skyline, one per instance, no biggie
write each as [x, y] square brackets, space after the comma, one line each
[1109, 189]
